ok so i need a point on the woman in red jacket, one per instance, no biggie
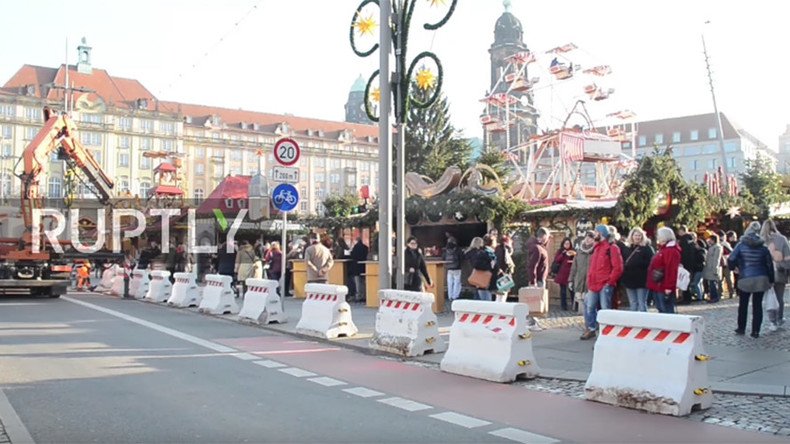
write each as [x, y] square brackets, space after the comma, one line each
[662, 274]
[561, 269]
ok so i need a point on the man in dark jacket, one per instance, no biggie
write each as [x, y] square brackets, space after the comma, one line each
[359, 254]
[226, 262]
[692, 257]
[453, 255]
[537, 259]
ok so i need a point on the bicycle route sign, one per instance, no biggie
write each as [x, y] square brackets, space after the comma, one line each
[287, 152]
[285, 197]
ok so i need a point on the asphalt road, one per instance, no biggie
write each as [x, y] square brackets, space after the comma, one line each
[90, 368]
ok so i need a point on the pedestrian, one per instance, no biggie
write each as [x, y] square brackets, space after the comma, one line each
[226, 259]
[453, 255]
[606, 267]
[732, 239]
[359, 254]
[712, 271]
[504, 262]
[561, 269]
[484, 264]
[294, 254]
[275, 261]
[83, 276]
[577, 279]
[244, 265]
[662, 274]
[726, 274]
[639, 254]
[755, 276]
[319, 261]
[537, 259]
[414, 265]
[172, 257]
[693, 260]
[780, 253]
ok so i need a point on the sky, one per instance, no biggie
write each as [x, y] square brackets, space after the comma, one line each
[294, 56]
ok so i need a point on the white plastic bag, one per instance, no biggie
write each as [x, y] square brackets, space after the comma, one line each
[770, 302]
[684, 279]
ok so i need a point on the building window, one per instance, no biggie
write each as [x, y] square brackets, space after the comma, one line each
[731, 162]
[123, 185]
[124, 142]
[319, 177]
[97, 155]
[304, 207]
[676, 137]
[694, 135]
[319, 162]
[319, 194]
[7, 110]
[199, 193]
[364, 166]
[712, 133]
[236, 155]
[123, 159]
[251, 157]
[642, 140]
[711, 164]
[167, 145]
[145, 163]
[659, 139]
[7, 150]
[30, 133]
[125, 123]
[364, 180]
[147, 126]
[91, 139]
[695, 165]
[168, 128]
[334, 178]
[711, 148]
[92, 118]
[54, 188]
[335, 163]
[6, 132]
[145, 188]
[200, 169]
[146, 143]
[731, 147]
[33, 114]
[200, 153]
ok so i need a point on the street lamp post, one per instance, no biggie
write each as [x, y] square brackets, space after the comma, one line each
[395, 17]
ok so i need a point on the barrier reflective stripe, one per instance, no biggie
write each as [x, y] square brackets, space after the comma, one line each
[490, 340]
[325, 312]
[159, 288]
[261, 302]
[650, 361]
[185, 291]
[218, 296]
[406, 324]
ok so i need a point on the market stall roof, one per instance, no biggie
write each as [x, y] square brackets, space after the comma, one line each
[576, 205]
[226, 196]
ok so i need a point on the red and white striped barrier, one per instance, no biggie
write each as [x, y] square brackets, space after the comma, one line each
[116, 287]
[106, 279]
[406, 324]
[650, 361]
[261, 302]
[160, 286]
[139, 284]
[325, 312]
[490, 340]
[185, 292]
[218, 297]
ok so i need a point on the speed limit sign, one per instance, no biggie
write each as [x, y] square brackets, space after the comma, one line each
[287, 152]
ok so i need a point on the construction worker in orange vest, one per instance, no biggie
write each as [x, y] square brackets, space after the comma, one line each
[83, 276]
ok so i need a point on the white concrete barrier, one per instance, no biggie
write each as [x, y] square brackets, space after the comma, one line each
[325, 312]
[650, 361]
[490, 340]
[537, 298]
[106, 279]
[160, 286]
[116, 288]
[406, 324]
[138, 286]
[261, 302]
[218, 297]
[185, 292]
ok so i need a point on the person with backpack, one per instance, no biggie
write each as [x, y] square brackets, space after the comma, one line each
[606, 267]
[756, 275]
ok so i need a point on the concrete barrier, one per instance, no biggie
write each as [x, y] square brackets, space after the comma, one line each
[185, 292]
[106, 279]
[160, 286]
[139, 284]
[537, 298]
[261, 302]
[218, 296]
[650, 361]
[325, 312]
[116, 287]
[490, 340]
[406, 324]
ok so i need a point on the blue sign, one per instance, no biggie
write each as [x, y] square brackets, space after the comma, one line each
[285, 197]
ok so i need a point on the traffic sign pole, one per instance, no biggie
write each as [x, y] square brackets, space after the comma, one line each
[285, 197]
[283, 271]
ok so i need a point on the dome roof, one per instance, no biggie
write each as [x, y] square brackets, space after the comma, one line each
[359, 85]
[508, 29]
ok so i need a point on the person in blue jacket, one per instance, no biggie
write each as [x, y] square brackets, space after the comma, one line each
[755, 276]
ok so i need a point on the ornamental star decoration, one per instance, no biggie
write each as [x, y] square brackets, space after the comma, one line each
[375, 95]
[437, 2]
[425, 79]
[366, 25]
[734, 212]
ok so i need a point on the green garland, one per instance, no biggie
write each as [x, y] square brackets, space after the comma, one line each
[463, 205]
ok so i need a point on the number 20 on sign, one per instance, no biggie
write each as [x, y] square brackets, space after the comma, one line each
[287, 152]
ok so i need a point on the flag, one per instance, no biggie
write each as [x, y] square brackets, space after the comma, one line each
[571, 147]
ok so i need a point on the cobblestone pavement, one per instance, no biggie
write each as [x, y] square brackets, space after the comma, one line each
[766, 414]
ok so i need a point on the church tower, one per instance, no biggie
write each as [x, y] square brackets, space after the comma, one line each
[509, 40]
[355, 106]
[84, 57]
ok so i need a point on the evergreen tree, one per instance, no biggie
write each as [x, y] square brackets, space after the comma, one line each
[762, 186]
[432, 143]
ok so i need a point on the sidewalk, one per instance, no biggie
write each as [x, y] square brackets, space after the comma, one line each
[740, 365]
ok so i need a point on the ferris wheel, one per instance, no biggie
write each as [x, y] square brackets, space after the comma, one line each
[563, 86]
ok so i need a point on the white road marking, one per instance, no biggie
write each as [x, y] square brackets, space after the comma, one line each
[363, 392]
[14, 427]
[269, 364]
[405, 404]
[161, 329]
[19, 304]
[295, 352]
[461, 420]
[326, 381]
[522, 436]
[245, 356]
[298, 372]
